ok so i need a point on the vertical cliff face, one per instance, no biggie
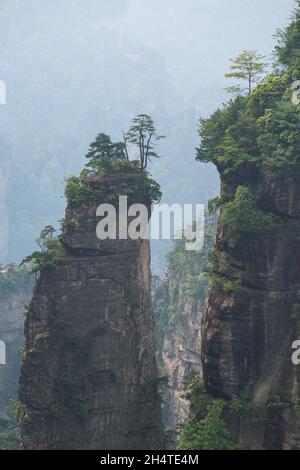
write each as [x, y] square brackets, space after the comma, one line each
[89, 376]
[15, 291]
[252, 315]
[250, 323]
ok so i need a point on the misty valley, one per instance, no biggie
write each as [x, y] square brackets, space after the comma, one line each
[150, 228]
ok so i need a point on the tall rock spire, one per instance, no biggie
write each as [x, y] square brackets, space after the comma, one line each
[89, 377]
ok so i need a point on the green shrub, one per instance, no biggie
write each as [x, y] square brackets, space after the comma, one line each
[18, 409]
[211, 433]
[51, 252]
[241, 216]
[245, 410]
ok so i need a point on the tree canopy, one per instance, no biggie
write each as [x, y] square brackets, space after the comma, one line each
[105, 155]
[248, 66]
[261, 129]
[288, 48]
[143, 134]
[104, 149]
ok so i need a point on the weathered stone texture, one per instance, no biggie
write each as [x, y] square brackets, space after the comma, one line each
[89, 377]
[13, 300]
[248, 331]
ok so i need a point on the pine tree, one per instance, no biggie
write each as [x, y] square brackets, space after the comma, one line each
[247, 66]
[104, 149]
[209, 434]
[143, 134]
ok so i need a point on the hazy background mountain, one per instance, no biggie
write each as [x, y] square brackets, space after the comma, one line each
[76, 67]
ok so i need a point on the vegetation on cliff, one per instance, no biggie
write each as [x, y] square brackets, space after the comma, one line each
[208, 426]
[178, 306]
[187, 279]
[253, 137]
[111, 159]
[109, 164]
[51, 251]
[254, 141]
[261, 129]
[15, 290]
[205, 429]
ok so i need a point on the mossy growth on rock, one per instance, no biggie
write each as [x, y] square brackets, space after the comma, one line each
[242, 216]
[225, 284]
[79, 190]
[207, 427]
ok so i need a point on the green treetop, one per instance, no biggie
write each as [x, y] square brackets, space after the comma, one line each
[103, 149]
[143, 134]
[288, 48]
[105, 156]
[249, 66]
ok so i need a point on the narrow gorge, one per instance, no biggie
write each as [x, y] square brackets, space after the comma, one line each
[179, 307]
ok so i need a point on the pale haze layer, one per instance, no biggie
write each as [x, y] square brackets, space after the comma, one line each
[74, 68]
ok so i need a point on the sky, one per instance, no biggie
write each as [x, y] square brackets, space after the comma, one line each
[196, 38]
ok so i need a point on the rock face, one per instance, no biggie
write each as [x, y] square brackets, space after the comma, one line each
[89, 377]
[181, 354]
[179, 304]
[15, 291]
[249, 325]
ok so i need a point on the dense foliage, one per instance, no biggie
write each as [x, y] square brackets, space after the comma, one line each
[103, 154]
[78, 191]
[261, 130]
[255, 136]
[207, 426]
[111, 159]
[210, 433]
[241, 216]
[205, 429]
